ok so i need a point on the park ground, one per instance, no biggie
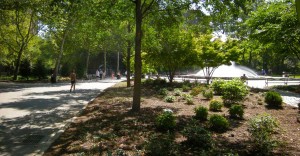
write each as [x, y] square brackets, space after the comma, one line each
[107, 125]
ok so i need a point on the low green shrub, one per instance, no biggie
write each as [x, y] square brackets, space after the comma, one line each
[161, 145]
[148, 82]
[170, 99]
[215, 105]
[217, 86]
[201, 113]
[218, 123]
[236, 111]
[185, 88]
[233, 91]
[208, 94]
[273, 99]
[165, 121]
[163, 91]
[190, 101]
[177, 92]
[187, 96]
[261, 128]
[196, 90]
[160, 82]
[197, 136]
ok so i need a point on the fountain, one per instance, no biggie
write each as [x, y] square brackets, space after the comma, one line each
[233, 70]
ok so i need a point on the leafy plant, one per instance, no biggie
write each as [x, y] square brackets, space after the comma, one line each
[190, 101]
[218, 123]
[273, 99]
[197, 136]
[148, 82]
[165, 121]
[170, 99]
[215, 105]
[161, 145]
[236, 111]
[261, 129]
[163, 91]
[185, 88]
[160, 82]
[177, 92]
[25, 68]
[39, 70]
[196, 90]
[234, 91]
[201, 113]
[208, 94]
[217, 86]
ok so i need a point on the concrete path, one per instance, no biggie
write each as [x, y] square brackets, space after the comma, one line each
[33, 115]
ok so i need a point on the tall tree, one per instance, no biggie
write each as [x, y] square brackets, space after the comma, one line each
[212, 54]
[20, 29]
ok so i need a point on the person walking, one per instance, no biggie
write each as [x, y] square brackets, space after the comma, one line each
[73, 80]
[97, 74]
[101, 74]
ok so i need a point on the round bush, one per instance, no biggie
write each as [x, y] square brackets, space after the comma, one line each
[185, 88]
[196, 90]
[197, 136]
[216, 85]
[261, 128]
[233, 91]
[273, 99]
[190, 101]
[236, 111]
[163, 91]
[201, 113]
[160, 82]
[170, 99]
[218, 123]
[161, 145]
[165, 121]
[208, 94]
[215, 105]
[177, 92]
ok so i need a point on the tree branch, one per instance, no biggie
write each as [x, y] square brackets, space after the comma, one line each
[147, 8]
[133, 1]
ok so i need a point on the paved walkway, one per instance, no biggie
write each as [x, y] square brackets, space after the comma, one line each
[33, 115]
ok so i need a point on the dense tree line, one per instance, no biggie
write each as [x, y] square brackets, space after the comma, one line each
[151, 35]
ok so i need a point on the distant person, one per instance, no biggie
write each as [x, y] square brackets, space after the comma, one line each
[263, 72]
[73, 80]
[97, 74]
[244, 78]
[100, 74]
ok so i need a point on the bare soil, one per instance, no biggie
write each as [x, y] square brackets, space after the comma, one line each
[107, 125]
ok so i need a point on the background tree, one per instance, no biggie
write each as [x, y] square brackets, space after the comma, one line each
[19, 26]
[275, 26]
[212, 54]
[25, 68]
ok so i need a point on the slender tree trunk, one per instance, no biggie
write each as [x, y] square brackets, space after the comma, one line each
[118, 64]
[87, 63]
[128, 70]
[57, 64]
[137, 59]
[104, 62]
[16, 71]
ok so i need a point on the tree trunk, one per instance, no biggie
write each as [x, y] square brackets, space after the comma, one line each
[57, 64]
[137, 58]
[18, 63]
[128, 70]
[104, 62]
[87, 63]
[118, 64]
